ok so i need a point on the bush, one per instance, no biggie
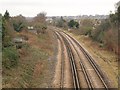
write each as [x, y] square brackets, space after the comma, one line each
[86, 27]
[98, 33]
[73, 24]
[10, 57]
[86, 30]
[18, 26]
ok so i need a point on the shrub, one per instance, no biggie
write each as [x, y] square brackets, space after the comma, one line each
[10, 57]
[98, 33]
[86, 30]
[73, 24]
[18, 26]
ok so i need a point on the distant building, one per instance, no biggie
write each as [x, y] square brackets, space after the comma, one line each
[30, 27]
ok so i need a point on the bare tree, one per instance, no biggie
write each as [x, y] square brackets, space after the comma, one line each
[40, 22]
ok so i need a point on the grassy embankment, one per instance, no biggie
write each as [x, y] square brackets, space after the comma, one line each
[108, 61]
[34, 64]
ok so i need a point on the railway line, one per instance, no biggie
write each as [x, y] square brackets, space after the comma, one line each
[83, 71]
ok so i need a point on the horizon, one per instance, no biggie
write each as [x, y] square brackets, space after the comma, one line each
[58, 7]
[56, 15]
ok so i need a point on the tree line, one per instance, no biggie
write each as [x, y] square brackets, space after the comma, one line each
[104, 31]
[11, 28]
[62, 23]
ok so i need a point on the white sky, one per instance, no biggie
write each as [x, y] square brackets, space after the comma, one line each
[57, 7]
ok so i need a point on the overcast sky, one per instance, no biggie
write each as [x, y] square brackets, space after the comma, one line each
[57, 7]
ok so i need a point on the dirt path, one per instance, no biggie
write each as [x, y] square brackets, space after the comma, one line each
[57, 78]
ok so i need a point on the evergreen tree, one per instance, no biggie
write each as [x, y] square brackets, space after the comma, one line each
[6, 15]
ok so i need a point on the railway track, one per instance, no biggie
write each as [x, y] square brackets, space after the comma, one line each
[72, 64]
[91, 61]
[85, 68]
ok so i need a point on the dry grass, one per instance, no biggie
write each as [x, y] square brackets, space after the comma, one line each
[0, 70]
[34, 66]
[107, 60]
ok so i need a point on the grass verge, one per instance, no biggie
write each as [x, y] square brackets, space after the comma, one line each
[34, 67]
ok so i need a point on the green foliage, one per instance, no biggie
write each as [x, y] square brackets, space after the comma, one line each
[6, 15]
[73, 24]
[100, 36]
[18, 23]
[113, 19]
[7, 32]
[10, 54]
[105, 25]
[108, 28]
[107, 32]
[10, 57]
[18, 26]
[76, 24]
[7, 41]
[86, 27]
[87, 30]
[98, 33]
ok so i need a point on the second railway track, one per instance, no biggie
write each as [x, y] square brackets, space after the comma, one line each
[85, 73]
